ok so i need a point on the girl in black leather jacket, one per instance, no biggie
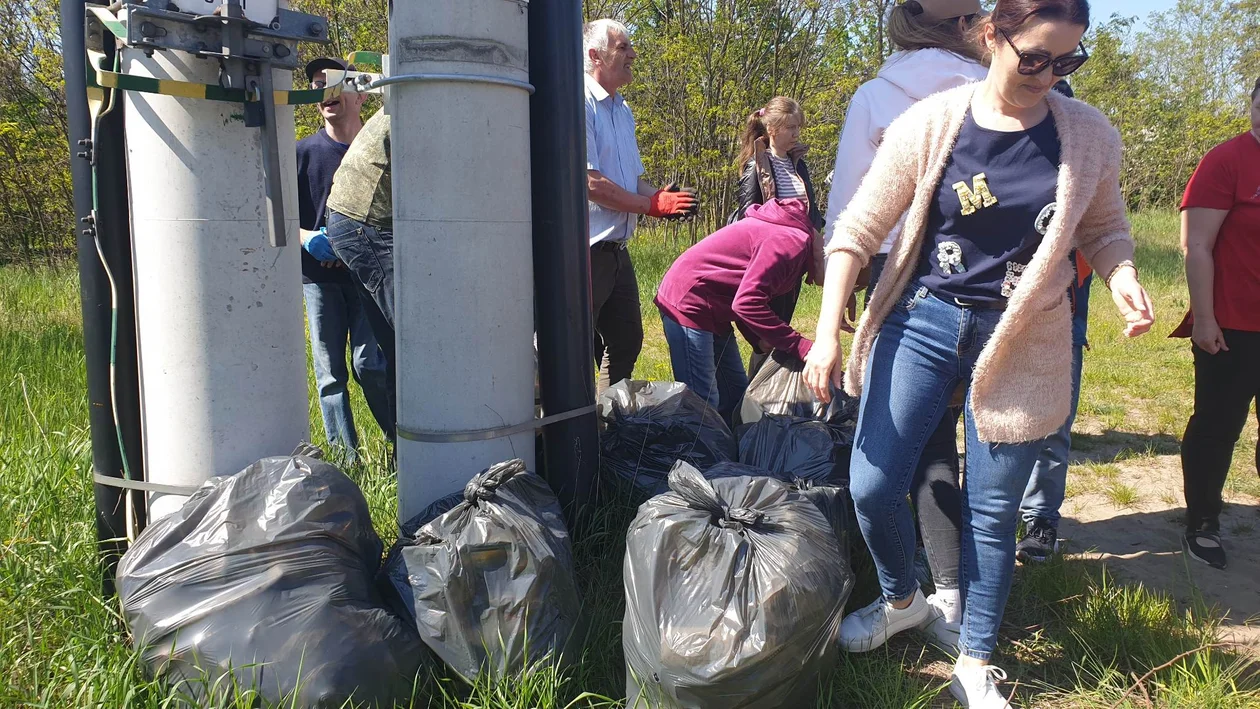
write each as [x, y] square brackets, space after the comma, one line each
[773, 167]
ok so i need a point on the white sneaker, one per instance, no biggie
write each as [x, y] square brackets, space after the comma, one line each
[868, 628]
[976, 688]
[943, 625]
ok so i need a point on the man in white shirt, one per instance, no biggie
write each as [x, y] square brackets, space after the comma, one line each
[618, 194]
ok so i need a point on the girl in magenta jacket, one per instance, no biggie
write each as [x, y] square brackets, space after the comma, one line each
[727, 281]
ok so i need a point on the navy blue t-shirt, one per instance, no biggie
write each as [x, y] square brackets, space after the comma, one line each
[992, 208]
[318, 157]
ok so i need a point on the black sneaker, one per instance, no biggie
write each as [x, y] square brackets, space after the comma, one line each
[1039, 543]
[1204, 544]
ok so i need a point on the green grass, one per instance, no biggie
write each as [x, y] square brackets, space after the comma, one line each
[1072, 637]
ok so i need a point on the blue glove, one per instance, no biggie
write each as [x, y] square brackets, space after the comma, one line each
[319, 247]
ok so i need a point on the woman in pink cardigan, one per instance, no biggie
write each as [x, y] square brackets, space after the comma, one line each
[1001, 179]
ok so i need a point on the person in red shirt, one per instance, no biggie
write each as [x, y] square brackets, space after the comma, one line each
[1220, 237]
[731, 276]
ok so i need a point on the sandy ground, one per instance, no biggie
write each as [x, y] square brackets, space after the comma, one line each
[1142, 542]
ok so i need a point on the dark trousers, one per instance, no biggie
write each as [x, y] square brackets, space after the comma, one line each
[1225, 384]
[937, 499]
[615, 312]
[368, 253]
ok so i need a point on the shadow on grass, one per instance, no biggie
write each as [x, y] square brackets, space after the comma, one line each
[1115, 446]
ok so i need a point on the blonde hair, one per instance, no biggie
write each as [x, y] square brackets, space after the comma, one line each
[909, 30]
[774, 114]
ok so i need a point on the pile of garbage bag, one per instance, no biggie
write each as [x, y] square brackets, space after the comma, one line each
[266, 580]
[735, 588]
[649, 426]
[487, 575]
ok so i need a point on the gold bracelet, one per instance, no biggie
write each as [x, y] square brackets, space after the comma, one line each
[1122, 264]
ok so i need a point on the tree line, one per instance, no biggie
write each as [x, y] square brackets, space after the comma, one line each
[1174, 86]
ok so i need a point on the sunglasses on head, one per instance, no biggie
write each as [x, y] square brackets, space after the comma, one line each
[1033, 63]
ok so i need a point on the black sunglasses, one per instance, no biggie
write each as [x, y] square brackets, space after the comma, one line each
[1033, 63]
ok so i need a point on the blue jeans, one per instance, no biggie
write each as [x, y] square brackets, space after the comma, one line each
[708, 364]
[334, 313]
[368, 253]
[1048, 484]
[924, 349]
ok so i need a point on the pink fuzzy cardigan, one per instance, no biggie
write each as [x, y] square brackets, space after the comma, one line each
[1021, 387]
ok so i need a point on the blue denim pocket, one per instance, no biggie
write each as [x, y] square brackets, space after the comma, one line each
[349, 240]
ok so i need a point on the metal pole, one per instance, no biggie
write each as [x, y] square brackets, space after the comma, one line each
[111, 227]
[562, 274]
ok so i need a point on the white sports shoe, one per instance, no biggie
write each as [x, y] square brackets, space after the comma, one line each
[940, 625]
[868, 628]
[976, 688]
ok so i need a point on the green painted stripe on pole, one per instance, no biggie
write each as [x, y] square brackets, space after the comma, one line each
[100, 78]
[111, 22]
[365, 59]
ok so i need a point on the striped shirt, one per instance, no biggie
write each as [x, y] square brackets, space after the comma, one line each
[787, 184]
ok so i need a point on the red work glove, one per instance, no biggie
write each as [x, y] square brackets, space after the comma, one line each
[672, 202]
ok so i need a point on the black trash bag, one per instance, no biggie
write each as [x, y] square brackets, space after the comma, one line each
[779, 388]
[792, 448]
[811, 478]
[489, 581]
[734, 594]
[266, 580]
[652, 425]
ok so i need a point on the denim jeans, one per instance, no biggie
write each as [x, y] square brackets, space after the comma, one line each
[708, 364]
[368, 254]
[1048, 484]
[924, 349]
[334, 312]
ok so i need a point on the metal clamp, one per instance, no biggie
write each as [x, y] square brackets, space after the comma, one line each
[144, 486]
[487, 434]
[457, 78]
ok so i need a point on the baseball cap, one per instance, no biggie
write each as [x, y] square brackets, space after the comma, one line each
[319, 64]
[949, 9]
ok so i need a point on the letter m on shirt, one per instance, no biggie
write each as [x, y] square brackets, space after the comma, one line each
[975, 197]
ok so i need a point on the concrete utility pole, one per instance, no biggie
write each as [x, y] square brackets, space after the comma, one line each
[212, 184]
[463, 261]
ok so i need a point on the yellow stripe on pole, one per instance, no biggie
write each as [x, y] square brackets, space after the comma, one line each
[183, 89]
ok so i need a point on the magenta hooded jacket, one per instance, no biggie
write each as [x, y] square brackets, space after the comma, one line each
[731, 275]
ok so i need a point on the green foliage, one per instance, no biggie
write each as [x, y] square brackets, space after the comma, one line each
[36, 213]
[702, 68]
[1174, 90]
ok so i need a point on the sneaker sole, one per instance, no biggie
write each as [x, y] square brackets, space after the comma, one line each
[1024, 557]
[1190, 553]
[876, 643]
[961, 695]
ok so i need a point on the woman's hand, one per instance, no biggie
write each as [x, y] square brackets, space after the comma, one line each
[1207, 335]
[1132, 301]
[819, 365]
